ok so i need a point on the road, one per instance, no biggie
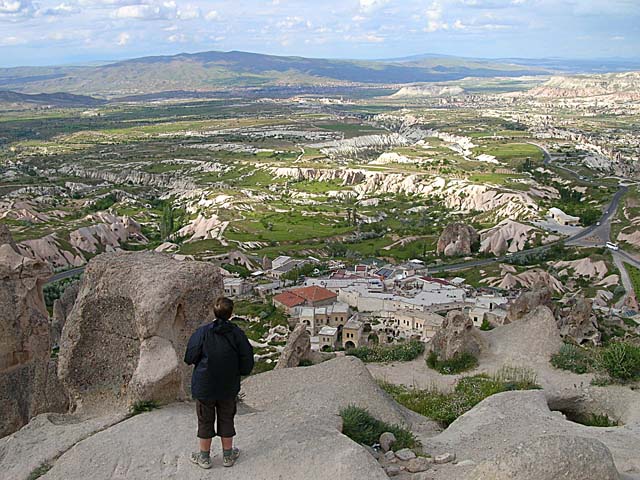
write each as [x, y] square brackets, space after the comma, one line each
[599, 235]
[66, 274]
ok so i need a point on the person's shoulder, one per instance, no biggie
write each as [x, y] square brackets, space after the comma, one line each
[236, 329]
[201, 330]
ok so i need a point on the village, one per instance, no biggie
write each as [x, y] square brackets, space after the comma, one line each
[368, 304]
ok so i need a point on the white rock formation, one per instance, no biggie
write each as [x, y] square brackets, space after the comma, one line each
[507, 236]
[203, 228]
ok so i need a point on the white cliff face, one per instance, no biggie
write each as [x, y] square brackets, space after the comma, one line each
[584, 267]
[457, 194]
[203, 228]
[353, 146]
[48, 250]
[428, 91]
[528, 279]
[619, 85]
[107, 234]
[507, 236]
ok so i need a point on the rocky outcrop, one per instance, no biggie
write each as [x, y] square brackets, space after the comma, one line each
[507, 236]
[6, 238]
[417, 91]
[457, 239]
[61, 309]
[202, 228]
[551, 457]
[530, 279]
[458, 195]
[455, 336]
[298, 348]
[354, 146]
[299, 407]
[28, 383]
[618, 85]
[124, 339]
[528, 301]
[578, 324]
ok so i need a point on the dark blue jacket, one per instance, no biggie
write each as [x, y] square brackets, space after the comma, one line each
[221, 354]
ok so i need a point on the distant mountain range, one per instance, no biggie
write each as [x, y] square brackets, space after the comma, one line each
[214, 70]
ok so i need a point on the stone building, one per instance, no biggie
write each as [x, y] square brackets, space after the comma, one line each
[352, 334]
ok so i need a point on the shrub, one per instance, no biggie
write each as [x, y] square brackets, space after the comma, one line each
[445, 407]
[593, 420]
[573, 358]
[457, 364]
[401, 352]
[361, 427]
[486, 326]
[144, 406]
[621, 361]
[305, 363]
[40, 471]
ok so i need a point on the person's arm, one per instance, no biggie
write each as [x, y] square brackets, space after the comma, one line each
[245, 354]
[194, 349]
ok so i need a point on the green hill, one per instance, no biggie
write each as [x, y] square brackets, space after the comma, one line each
[214, 70]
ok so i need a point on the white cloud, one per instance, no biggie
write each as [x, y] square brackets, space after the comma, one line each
[123, 39]
[189, 12]
[177, 38]
[12, 40]
[371, 5]
[148, 11]
[58, 10]
[16, 9]
[434, 18]
[212, 16]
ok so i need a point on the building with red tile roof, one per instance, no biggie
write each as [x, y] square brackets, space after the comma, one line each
[313, 296]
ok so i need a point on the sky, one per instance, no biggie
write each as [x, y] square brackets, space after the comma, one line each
[53, 32]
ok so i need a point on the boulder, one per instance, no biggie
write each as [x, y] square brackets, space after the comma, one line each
[6, 238]
[298, 348]
[457, 239]
[528, 301]
[125, 337]
[455, 336]
[61, 310]
[28, 382]
[387, 439]
[549, 458]
[578, 324]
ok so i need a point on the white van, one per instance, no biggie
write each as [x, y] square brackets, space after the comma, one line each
[613, 246]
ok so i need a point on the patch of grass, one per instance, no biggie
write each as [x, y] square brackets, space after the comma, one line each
[594, 420]
[402, 352]
[634, 275]
[445, 407]
[40, 471]
[458, 364]
[262, 366]
[573, 358]
[361, 427]
[618, 362]
[621, 360]
[143, 406]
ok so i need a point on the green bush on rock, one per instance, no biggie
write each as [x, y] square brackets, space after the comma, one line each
[401, 352]
[458, 364]
[361, 427]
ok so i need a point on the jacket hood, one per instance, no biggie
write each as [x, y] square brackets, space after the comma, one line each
[221, 326]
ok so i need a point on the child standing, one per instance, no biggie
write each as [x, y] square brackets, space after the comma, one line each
[221, 354]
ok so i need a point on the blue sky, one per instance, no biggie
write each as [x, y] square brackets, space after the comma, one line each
[46, 32]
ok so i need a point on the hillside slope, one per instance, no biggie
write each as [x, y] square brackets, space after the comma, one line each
[209, 70]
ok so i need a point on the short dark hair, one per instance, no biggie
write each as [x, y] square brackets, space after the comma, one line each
[223, 308]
